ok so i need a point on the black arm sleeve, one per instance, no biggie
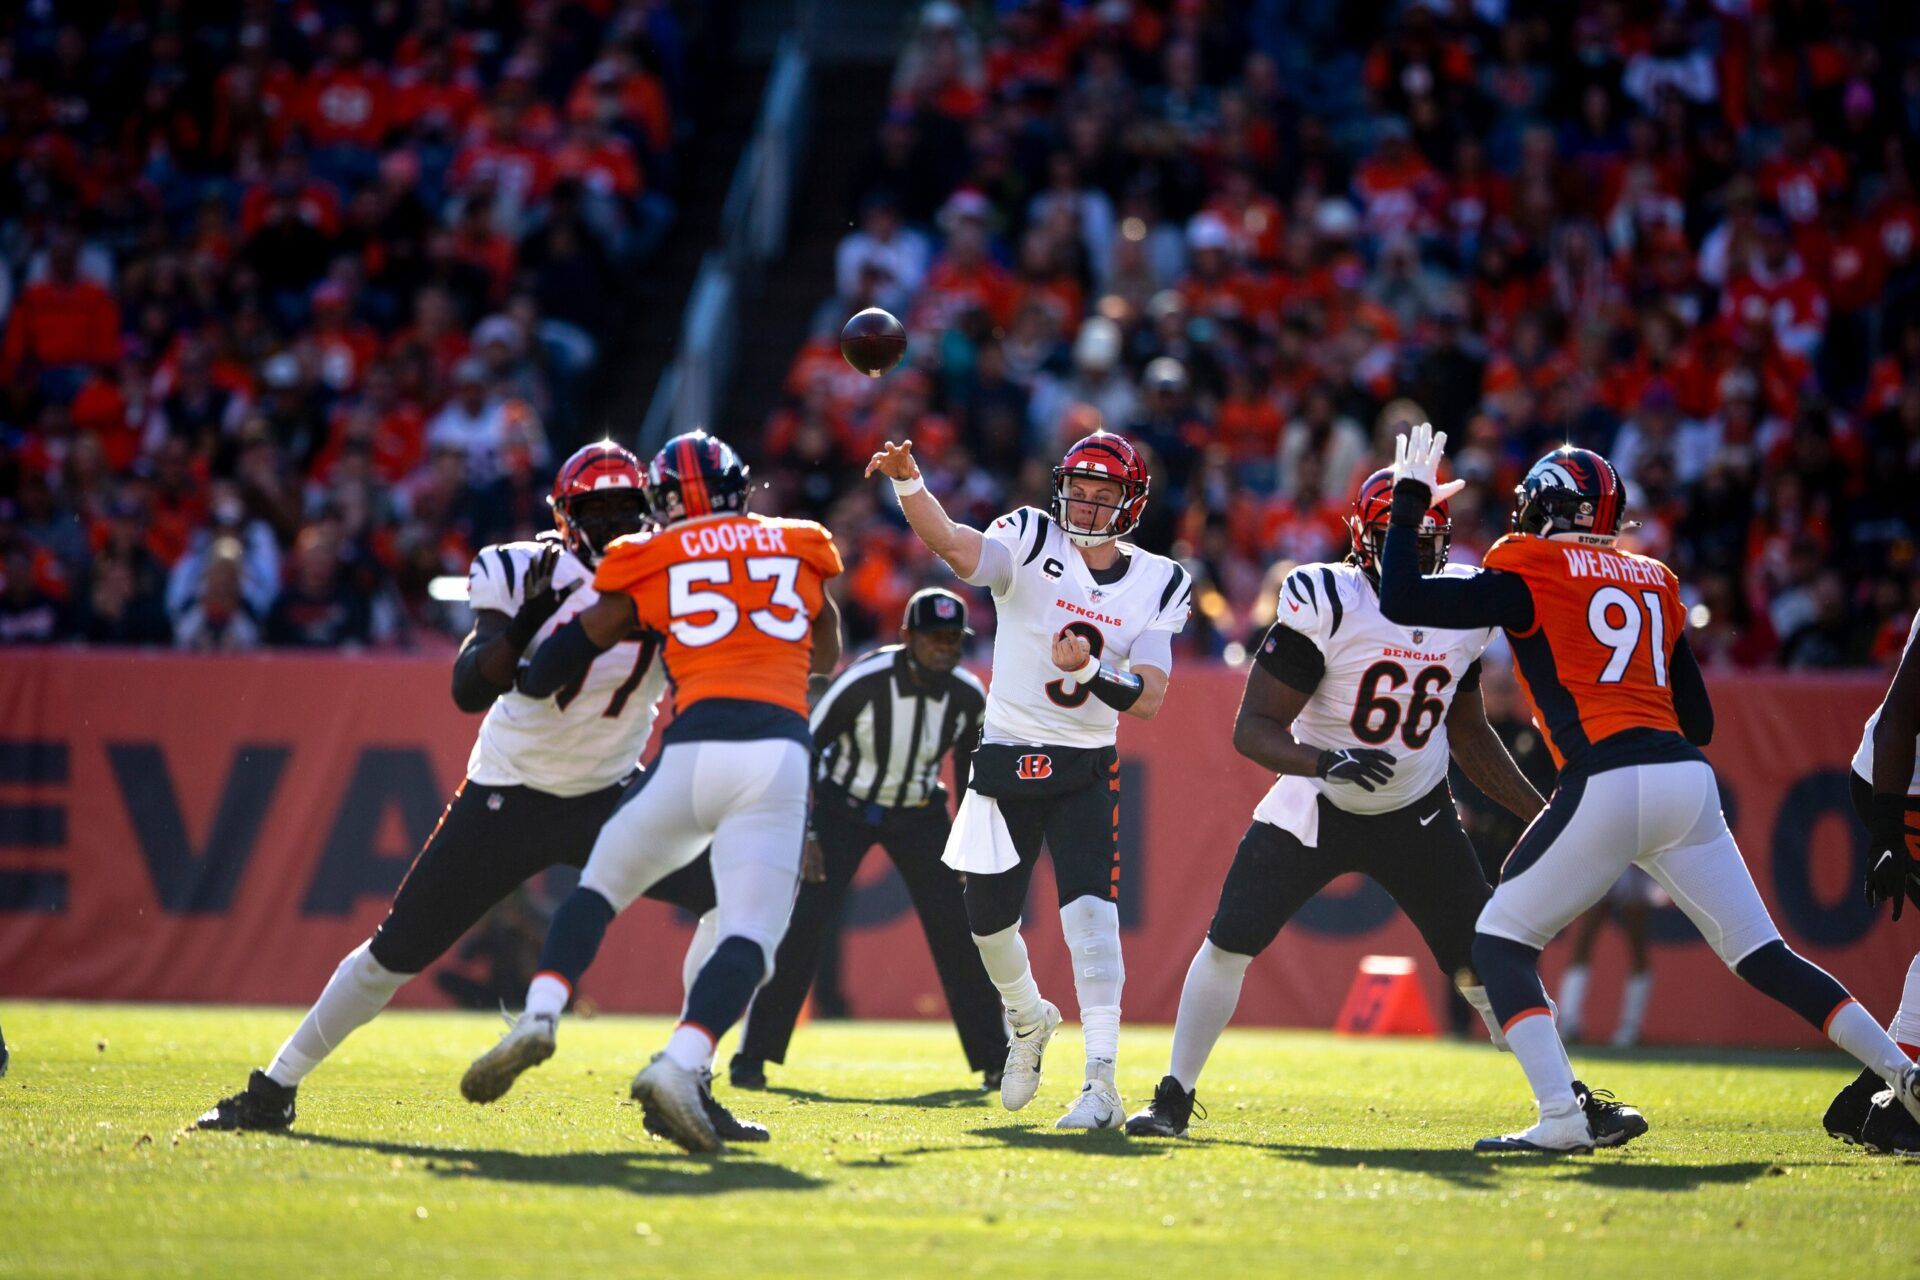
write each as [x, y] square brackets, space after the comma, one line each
[561, 659]
[1488, 599]
[1291, 658]
[1470, 681]
[472, 691]
[1690, 701]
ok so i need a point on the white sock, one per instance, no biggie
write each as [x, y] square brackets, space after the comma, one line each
[690, 1047]
[1477, 997]
[1207, 1002]
[1906, 1023]
[1573, 998]
[1004, 955]
[548, 993]
[1853, 1029]
[706, 936]
[1537, 1044]
[359, 989]
[1633, 1008]
[1091, 927]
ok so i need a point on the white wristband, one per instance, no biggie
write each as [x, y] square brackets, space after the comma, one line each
[902, 488]
[1086, 672]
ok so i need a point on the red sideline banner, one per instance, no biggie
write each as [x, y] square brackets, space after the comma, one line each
[182, 828]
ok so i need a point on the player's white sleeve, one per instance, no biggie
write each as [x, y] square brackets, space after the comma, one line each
[1310, 604]
[1153, 649]
[494, 580]
[1176, 603]
[1004, 544]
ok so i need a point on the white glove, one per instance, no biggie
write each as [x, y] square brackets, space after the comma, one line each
[1416, 456]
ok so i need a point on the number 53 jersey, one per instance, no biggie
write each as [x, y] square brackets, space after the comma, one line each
[1382, 685]
[735, 597]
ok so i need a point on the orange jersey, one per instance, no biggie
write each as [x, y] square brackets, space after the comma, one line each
[735, 596]
[1605, 622]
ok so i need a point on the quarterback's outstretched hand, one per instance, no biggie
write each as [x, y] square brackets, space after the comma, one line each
[1416, 456]
[1364, 767]
[894, 461]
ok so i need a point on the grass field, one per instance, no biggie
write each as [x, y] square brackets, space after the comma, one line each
[1322, 1157]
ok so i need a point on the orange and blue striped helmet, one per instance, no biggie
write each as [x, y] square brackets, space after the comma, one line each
[695, 475]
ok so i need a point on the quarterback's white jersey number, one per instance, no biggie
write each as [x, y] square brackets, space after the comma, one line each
[684, 601]
[1376, 716]
[1624, 637]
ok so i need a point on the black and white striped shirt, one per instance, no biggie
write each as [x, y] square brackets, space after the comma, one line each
[879, 735]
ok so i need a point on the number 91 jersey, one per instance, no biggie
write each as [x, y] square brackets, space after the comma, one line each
[589, 735]
[1383, 685]
[735, 596]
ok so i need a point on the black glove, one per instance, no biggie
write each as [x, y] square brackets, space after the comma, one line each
[1364, 767]
[540, 600]
[1894, 874]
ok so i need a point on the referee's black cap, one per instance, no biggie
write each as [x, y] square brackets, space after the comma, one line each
[935, 609]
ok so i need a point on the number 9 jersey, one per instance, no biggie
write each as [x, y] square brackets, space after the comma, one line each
[1374, 683]
[735, 596]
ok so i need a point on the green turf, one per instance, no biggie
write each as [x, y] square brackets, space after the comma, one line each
[1322, 1157]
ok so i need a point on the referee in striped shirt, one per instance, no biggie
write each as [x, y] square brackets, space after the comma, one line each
[880, 733]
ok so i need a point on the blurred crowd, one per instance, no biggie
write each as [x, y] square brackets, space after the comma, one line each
[299, 299]
[1261, 237]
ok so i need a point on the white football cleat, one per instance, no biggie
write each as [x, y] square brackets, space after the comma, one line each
[1098, 1107]
[1906, 1090]
[528, 1043]
[1021, 1078]
[1562, 1135]
[670, 1097]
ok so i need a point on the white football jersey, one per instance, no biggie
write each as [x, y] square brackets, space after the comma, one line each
[582, 739]
[1030, 702]
[1863, 758]
[1385, 686]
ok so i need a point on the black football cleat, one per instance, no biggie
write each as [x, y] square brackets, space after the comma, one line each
[730, 1127]
[1888, 1128]
[1849, 1109]
[263, 1105]
[1614, 1123]
[746, 1073]
[1167, 1116]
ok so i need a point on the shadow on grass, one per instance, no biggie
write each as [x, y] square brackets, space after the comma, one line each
[1467, 1169]
[1099, 1142]
[939, 1098]
[661, 1171]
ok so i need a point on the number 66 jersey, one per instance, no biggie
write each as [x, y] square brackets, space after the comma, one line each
[1378, 684]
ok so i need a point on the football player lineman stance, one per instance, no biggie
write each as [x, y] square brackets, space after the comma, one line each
[545, 773]
[1085, 632]
[1357, 715]
[1600, 648]
[1886, 795]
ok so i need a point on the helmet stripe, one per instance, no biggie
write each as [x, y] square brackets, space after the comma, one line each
[693, 480]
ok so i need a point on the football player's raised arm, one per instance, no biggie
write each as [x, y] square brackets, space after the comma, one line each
[1477, 749]
[826, 636]
[957, 544]
[564, 656]
[1487, 599]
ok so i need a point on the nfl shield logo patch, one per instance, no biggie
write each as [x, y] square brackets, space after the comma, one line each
[1418, 635]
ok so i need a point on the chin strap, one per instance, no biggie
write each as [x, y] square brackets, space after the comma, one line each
[1118, 689]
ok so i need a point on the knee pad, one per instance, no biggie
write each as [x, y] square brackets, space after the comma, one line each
[1092, 930]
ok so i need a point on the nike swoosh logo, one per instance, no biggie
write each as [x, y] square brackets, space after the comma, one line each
[1291, 605]
[1430, 817]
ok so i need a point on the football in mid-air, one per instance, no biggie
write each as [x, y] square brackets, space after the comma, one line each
[873, 341]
